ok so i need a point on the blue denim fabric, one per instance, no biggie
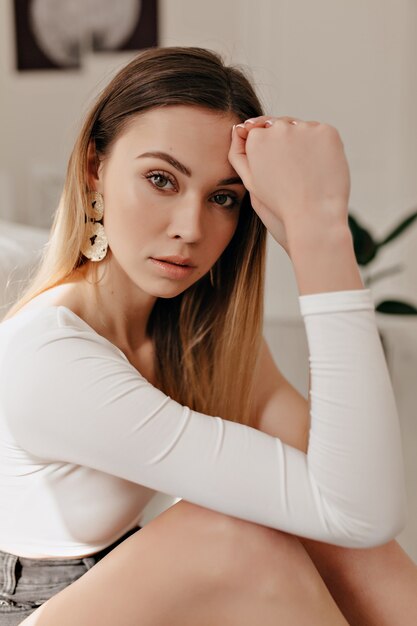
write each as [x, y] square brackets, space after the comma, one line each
[25, 583]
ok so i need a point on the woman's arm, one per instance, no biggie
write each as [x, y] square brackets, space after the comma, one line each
[298, 180]
[85, 404]
[373, 586]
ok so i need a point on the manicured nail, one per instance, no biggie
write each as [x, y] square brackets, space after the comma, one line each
[268, 123]
[249, 121]
[240, 125]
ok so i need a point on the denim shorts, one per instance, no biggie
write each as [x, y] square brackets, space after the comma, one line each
[25, 583]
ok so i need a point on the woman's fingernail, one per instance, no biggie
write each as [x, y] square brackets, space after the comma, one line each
[240, 125]
[268, 123]
[249, 121]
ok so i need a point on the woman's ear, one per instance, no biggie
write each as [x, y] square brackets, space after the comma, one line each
[93, 168]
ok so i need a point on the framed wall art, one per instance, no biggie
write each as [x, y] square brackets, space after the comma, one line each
[54, 34]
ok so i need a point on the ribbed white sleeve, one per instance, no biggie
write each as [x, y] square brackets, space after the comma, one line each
[71, 396]
[354, 425]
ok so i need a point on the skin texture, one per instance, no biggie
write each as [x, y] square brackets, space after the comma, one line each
[277, 580]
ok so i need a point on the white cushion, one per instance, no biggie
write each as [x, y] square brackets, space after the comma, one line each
[20, 248]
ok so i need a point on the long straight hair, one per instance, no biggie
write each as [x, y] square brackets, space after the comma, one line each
[206, 339]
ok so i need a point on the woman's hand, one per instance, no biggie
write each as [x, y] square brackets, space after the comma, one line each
[297, 175]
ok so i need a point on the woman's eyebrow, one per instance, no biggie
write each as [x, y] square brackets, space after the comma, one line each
[233, 180]
[169, 159]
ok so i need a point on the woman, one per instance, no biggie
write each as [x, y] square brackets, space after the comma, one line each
[143, 326]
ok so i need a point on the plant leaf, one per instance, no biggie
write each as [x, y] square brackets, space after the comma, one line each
[396, 307]
[402, 226]
[363, 243]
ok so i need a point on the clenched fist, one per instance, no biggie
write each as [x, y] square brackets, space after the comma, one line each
[297, 174]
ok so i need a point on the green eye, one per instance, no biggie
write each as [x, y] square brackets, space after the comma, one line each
[159, 180]
[225, 200]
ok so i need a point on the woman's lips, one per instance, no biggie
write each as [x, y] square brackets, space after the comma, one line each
[171, 269]
[176, 259]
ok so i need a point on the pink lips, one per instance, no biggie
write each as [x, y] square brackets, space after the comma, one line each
[177, 260]
[173, 266]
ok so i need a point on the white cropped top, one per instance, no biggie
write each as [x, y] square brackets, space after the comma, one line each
[86, 440]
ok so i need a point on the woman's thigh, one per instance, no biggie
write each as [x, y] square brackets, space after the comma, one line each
[192, 565]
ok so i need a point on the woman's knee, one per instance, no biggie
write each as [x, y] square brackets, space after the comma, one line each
[240, 554]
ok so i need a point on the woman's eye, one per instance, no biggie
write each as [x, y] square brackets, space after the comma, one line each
[225, 200]
[161, 181]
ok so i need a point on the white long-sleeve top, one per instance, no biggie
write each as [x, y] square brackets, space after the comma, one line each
[86, 440]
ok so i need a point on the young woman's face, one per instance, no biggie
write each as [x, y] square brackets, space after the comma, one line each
[170, 191]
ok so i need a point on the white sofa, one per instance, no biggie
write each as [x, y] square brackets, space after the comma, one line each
[20, 248]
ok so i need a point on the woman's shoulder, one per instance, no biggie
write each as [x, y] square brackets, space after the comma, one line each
[50, 311]
[34, 327]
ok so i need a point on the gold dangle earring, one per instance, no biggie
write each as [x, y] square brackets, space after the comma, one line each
[95, 243]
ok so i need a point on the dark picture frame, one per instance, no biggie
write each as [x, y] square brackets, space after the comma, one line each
[31, 55]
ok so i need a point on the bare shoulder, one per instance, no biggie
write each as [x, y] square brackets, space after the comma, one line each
[280, 409]
[64, 294]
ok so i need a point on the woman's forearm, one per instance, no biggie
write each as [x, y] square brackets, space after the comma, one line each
[323, 256]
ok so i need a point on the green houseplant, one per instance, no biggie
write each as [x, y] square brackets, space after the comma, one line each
[366, 249]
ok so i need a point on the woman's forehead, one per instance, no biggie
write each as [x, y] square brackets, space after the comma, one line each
[187, 133]
[176, 119]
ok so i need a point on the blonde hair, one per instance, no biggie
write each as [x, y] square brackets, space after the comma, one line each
[206, 339]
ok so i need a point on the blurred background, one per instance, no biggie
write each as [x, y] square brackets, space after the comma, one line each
[350, 63]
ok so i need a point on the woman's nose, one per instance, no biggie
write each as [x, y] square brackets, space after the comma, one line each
[187, 221]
